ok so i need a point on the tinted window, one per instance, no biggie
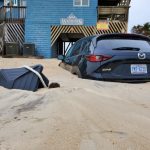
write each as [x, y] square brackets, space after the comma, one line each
[118, 43]
[85, 46]
[70, 51]
[76, 48]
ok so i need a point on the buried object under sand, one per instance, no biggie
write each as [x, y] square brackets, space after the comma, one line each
[25, 78]
[54, 85]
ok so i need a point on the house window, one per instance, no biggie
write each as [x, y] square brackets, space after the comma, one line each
[10, 2]
[15, 2]
[82, 3]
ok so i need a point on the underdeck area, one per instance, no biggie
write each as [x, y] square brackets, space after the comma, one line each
[62, 37]
[64, 42]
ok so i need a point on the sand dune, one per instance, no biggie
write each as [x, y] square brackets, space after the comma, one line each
[81, 115]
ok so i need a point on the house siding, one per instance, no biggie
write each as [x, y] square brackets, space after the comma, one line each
[41, 15]
[1, 3]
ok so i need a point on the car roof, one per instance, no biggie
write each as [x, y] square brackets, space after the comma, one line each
[119, 36]
[95, 38]
[124, 35]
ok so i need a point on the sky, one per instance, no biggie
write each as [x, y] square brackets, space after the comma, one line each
[139, 13]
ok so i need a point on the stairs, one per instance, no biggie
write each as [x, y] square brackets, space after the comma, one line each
[11, 32]
[12, 22]
[14, 32]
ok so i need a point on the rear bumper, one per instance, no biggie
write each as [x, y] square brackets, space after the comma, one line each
[132, 79]
[128, 80]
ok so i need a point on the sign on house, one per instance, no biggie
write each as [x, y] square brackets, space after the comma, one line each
[71, 20]
[102, 25]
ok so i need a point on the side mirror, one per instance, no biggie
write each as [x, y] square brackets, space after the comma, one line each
[61, 57]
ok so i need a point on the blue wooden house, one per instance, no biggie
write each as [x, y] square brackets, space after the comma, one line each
[50, 24]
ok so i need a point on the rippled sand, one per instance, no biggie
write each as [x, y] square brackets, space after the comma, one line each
[81, 115]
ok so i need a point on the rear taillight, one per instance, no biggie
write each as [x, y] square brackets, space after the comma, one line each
[97, 58]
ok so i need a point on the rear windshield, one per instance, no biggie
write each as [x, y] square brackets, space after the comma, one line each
[123, 44]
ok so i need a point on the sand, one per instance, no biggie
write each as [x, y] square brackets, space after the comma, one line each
[81, 115]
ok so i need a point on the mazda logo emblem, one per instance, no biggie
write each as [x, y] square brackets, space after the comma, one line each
[141, 55]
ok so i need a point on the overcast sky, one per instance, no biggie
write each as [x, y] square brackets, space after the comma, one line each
[139, 12]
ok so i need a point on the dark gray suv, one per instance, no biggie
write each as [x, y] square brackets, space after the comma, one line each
[110, 57]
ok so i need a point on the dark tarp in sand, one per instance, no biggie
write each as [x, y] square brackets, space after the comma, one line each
[23, 78]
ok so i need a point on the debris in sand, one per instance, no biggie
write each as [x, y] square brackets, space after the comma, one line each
[54, 85]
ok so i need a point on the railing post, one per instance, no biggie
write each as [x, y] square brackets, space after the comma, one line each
[18, 12]
[4, 8]
[11, 13]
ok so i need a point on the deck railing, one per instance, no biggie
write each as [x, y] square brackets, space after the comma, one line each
[120, 12]
[113, 10]
[12, 14]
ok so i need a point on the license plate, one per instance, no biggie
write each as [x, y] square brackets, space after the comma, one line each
[139, 69]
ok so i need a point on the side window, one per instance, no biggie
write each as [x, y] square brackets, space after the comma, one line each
[85, 46]
[76, 49]
[70, 51]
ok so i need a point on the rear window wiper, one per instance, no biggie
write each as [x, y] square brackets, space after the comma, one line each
[127, 48]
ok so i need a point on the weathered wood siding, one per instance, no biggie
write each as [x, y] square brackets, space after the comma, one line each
[41, 15]
[1, 3]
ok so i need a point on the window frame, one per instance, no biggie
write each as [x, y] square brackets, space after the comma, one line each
[81, 4]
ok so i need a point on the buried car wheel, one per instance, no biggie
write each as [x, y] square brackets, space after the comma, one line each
[75, 70]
